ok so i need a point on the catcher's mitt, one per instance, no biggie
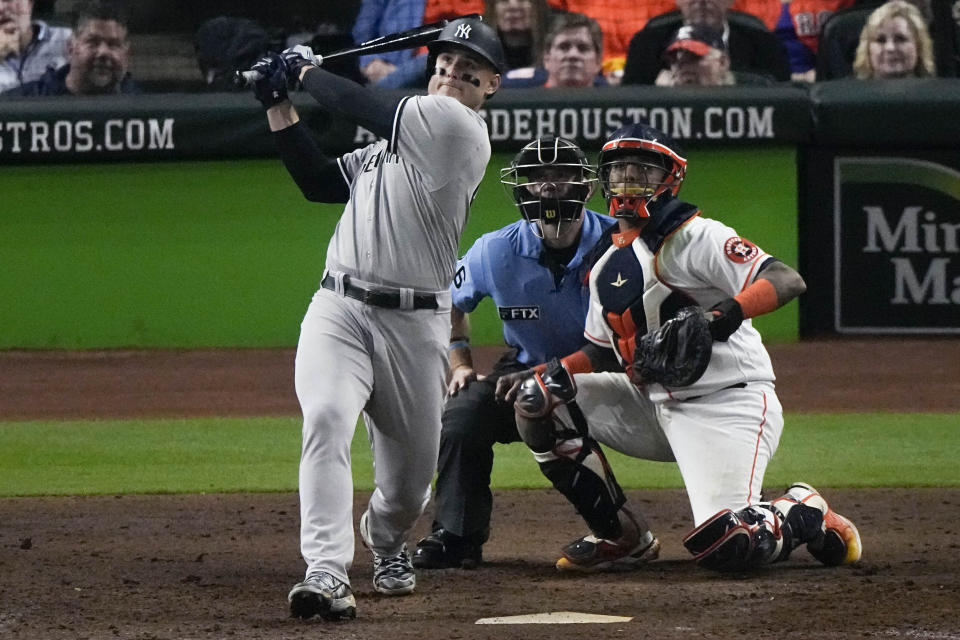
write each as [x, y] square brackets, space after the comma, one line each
[676, 354]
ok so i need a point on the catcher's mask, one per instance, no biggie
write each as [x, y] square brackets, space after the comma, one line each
[636, 166]
[549, 180]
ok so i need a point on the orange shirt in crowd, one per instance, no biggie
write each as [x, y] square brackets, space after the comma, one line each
[436, 10]
[619, 20]
[808, 15]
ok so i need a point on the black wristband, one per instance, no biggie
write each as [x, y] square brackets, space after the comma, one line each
[728, 320]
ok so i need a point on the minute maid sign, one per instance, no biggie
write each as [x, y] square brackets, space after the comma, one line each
[897, 239]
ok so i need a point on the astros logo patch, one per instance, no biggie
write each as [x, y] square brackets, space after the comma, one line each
[740, 250]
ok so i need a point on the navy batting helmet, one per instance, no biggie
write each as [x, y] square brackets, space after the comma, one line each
[637, 165]
[549, 180]
[473, 34]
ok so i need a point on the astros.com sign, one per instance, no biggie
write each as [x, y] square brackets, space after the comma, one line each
[82, 136]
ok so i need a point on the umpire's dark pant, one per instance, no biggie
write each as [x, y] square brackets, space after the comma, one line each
[473, 421]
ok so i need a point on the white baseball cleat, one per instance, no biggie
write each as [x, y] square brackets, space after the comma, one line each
[322, 595]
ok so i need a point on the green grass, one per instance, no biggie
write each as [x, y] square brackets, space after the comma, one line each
[228, 253]
[261, 454]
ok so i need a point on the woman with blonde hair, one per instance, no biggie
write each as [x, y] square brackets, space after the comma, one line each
[895, 43]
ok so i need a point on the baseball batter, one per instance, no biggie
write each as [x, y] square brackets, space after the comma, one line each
[723, 428]
[535, 272]
[374, 337]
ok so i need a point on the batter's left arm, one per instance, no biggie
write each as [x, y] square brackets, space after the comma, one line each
[775, 285]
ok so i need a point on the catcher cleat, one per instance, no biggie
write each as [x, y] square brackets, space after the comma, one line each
[444, 550]
[591, 554]
[392, 574]
[838, 541]
[322, 595]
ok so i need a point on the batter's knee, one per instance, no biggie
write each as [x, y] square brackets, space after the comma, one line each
[323, 422]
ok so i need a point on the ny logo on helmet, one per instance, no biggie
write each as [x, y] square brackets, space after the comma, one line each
[463, 31]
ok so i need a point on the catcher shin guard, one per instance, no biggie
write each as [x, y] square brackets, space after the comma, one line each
[578, 469]
[752, 537]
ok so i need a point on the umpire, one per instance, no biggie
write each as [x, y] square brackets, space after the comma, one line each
[535, 271]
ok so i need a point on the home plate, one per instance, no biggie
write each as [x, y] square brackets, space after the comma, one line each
[555, 617]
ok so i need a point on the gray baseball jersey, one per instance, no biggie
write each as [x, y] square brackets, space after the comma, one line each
[410, 195]
[400, 230]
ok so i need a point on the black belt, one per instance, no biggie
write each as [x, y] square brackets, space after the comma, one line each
[379, 298]
[739, 385]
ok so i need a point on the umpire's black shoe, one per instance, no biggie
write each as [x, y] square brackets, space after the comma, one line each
[444, 550]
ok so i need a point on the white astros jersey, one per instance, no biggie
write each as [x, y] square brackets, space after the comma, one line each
[723, 429]
[701, 262]
[410, 196]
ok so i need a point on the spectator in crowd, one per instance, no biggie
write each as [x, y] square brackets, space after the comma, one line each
[225, 45]
[895, 43]
[697, 57]
[798, 24]
[27, 46]
[572, 55]
[400, 69]
[750, 46]
[381, 17]
[521, 25]
[618, 20]
[841, 37]
[98, 55]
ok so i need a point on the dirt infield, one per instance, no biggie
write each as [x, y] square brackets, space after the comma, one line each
[219, 566]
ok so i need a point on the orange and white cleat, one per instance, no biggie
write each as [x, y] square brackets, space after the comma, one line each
[631, 550]
[839, 542]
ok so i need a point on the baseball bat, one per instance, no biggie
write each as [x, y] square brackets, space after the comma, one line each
[407, 39]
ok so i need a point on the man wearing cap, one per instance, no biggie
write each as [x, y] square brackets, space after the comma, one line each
[697, 57]
[375, 335]
[749, 46]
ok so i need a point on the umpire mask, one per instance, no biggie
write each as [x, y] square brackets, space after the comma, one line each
[549, 181]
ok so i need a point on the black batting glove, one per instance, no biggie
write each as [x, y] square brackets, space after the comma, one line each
[727, 318]
[271, 89]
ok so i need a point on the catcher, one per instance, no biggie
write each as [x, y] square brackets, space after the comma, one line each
[663, 379]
